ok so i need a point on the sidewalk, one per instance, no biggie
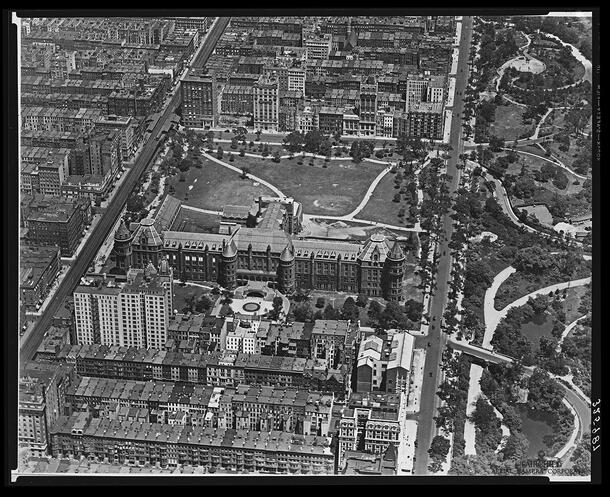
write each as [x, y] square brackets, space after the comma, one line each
[406, 447]
[62, 273]
[84, 239]
[474, 391]
[416, 380]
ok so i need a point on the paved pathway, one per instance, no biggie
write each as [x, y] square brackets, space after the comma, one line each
[504, 201]
[565, 333]
[204, 211]
[474, 390]
[555, 162]
[279, 193]
[496, 316]
[273, 188]
[542, 119]
[417, 228]
[489, 309]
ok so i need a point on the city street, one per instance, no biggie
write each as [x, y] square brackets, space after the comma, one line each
[437, 340]
[30, 343]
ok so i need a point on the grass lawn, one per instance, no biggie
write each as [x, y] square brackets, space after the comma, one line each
[572, 303]
[573, 152]
[520, 39]
[518, 285]
[508, 123]
[531, 164]
[380, 206]
[412, 283]
[214, 186]
[196, 222]
[334, 190]
[541, 212]
[181, 293]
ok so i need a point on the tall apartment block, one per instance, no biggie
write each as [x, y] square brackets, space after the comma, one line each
[133, 314]
[41, 402]
[368, 107]
[318, 46]
[422, 88]
[199, 100]
[266, 103]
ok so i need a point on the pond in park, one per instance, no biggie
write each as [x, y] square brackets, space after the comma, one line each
[536, 426]
[539, 326]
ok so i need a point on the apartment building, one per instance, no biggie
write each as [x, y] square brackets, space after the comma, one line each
[199, 100]
[135, 314]
[136, 444]
[266, 104]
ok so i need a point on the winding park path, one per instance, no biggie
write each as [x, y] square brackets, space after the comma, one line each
[203, 211]
[493, 316]
[569, 328]
[503, 199]
[554, 161]
[573, 401]
[347, 217]
[273, 188]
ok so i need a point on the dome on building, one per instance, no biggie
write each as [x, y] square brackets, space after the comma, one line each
[376, 248]
[396, 254]
[146, 234]
[230, 250]
[122, 232]
[287, 254]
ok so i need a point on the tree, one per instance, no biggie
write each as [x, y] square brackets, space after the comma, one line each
[135, 203]
[278, 303]
[484, 416]
[312, 140]
[581, 457]
[544, 392]
[560, 181]
[350, 311]
[414, 310]
[320, 302]
[355, 152]
[392, 317]
[331, 313]
[516, 447]
[539, 304]
[276, 156]
[203, 304]
[303, 312]
[293, 142]
[533, 260]
[219, 153]
[362, 300]
[375, 310]
[439, 448]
